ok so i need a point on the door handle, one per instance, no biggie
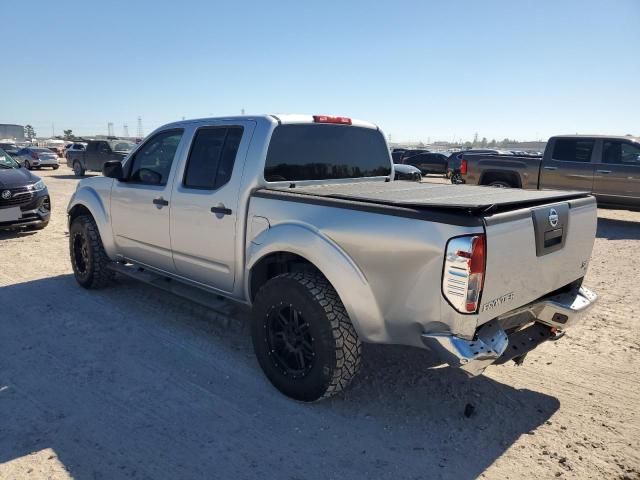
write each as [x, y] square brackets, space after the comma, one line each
[161, 202]
[550, 168]
[221, 209]
[603, 171]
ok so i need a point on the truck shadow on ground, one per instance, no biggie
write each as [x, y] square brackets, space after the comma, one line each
[16, 233]
[130, 382]
[614, 229]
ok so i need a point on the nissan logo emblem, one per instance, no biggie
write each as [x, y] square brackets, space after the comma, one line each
[553, 217]
[6, 194]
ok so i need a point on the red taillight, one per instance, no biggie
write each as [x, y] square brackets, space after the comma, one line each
[463, 276]
[463, 167]
[34, 155]
[476, 273]
[330, 119]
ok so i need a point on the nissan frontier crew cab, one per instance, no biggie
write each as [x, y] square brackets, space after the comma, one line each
[300, 218]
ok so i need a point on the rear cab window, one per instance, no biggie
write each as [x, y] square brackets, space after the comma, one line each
[300, 152]
[573, 150]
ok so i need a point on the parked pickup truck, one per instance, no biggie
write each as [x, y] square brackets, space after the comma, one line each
[300, 218]
[96, 154]
[608, 167]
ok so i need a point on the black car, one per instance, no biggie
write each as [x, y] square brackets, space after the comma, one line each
[410, 153]
[406, 172]
[397, 153]
[429, 162]
[24, 198]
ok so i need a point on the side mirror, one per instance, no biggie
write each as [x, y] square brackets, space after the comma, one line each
[113, 169]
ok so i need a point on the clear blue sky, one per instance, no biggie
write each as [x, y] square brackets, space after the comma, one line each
[421, 70]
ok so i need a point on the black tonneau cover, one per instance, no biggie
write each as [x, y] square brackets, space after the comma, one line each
[471, 199]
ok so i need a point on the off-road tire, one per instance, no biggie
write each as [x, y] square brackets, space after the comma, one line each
[78, 171]
[335, 343]
[91, 270]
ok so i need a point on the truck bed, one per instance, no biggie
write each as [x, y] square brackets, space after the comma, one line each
[461, 198]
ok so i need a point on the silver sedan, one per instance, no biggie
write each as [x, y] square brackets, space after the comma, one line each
[37, 157]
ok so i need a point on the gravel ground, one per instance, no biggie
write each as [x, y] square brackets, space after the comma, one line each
[128, 382]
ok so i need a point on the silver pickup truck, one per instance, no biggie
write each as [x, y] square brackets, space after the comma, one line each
[299, 217]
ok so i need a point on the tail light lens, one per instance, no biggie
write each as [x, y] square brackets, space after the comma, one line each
[464, 267]
[34, 155]
[463, 166]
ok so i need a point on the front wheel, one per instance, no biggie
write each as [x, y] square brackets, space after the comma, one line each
[89, 261]
[27, 164]
[303, 338]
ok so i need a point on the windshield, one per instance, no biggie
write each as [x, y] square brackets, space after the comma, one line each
[122, 146]
[6, 161]
[324, 152]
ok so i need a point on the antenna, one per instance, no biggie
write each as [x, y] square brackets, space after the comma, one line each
[110, 129]
[139, 132]
[125, 130]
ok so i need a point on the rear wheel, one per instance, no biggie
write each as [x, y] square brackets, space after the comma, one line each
[77, 169]
[89, 260]
[500, 184]
[27, 164]
[55, 167]
[303, 338]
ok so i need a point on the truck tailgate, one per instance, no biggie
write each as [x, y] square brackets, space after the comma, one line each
[534, 251]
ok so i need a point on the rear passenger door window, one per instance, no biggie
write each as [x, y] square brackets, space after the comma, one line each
[212, 157]
[569, 150]
[621, 153]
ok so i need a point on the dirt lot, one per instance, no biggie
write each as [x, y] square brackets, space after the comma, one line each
[128, 382]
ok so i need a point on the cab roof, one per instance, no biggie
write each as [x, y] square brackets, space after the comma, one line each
[284, 119]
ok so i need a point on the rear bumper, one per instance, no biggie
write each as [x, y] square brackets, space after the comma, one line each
[44, 163]
[491, 343]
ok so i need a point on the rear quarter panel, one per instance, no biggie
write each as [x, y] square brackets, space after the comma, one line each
[525, 169]
[400, 259]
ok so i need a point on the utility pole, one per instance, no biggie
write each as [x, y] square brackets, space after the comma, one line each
[125, 130]
[139, 132]
[53, 129]
[110, 129]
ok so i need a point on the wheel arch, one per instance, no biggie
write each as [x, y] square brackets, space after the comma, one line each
[86, 201]
[293, 245]
[513, 178]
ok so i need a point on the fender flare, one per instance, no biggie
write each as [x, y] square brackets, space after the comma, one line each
[333, 262]
[88, 198]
